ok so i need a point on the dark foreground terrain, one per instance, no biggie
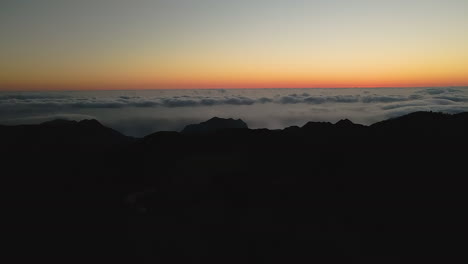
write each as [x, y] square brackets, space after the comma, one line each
[393, 192]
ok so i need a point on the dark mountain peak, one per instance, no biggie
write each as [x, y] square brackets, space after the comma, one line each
[59, 122]
[213, 119]
[64, 122]
[215, 124]
[292, 128]
[90, 123]
[62, 132]
[223, 120]
[416, 120]
[422, 115]
[345, 122]
[83, 124]
[317, 125]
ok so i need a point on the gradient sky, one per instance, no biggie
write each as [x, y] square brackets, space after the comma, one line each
[117, 44]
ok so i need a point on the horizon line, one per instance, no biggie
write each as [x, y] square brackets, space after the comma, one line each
[232, 88]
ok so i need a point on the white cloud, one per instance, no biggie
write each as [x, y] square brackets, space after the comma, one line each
[142, 112]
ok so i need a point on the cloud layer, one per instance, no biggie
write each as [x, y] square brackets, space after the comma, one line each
[54, 101]
[140, 112]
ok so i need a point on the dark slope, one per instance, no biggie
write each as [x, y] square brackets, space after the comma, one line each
[62, 132]
[59, 202]
[393, 192]
[215, 124]
[426, 123]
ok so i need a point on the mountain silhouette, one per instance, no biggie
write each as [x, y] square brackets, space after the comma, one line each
[218, 192]
[346, 123]
[317, 125]
[215, 124]
[62, 132]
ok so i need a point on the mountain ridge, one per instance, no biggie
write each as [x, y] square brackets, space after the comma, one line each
[214, 124]
[415, 121]
[326, 193]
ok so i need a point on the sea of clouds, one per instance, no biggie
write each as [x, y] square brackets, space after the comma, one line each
[139, 113]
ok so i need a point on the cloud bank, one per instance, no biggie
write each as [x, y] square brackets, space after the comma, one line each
[141, 112]
[53, 101]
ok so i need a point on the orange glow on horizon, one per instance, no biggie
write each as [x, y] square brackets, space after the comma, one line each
[233, 44]
[227, 85]
[189, 74]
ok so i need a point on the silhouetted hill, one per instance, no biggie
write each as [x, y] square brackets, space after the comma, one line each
[62, 132]
[346, 123]
[214, 124]
[425, 125]
[417, 120]
[317, 125]
[392, 192]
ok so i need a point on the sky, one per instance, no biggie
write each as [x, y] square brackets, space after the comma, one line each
[186, 44]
